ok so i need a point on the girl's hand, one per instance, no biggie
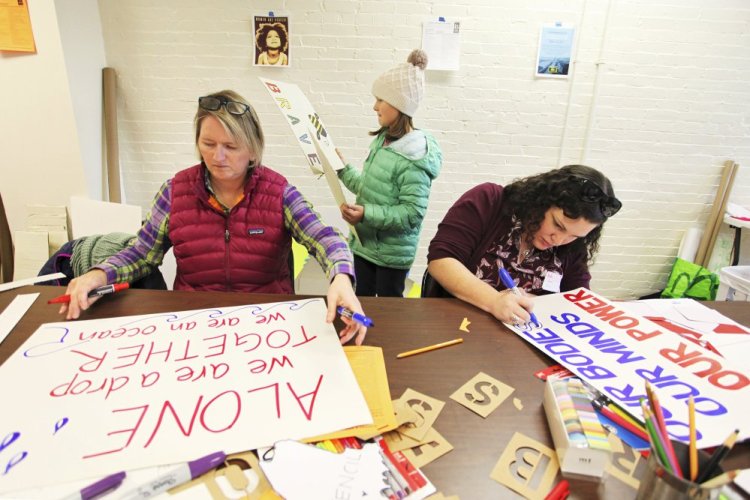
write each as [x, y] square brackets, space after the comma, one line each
[352, 214]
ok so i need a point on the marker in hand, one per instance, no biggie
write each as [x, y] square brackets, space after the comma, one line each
[510, 285]
[359, 318]
[96, 292]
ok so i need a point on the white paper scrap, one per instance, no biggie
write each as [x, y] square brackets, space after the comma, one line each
[14, 312]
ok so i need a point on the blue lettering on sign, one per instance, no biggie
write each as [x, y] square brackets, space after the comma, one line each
[8, 440]
[17, 459]
[568, 354]
[596, 338]
[60, 424]
[46, 348]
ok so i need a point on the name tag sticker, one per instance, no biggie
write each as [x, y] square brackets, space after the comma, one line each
[552, 282]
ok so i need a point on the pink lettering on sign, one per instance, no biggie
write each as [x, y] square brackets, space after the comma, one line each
[222, 322]
[214, 422]
[260, 366]
[215, 415]
[189, 325]
[212, 371]
[264, 319]
[79, 385]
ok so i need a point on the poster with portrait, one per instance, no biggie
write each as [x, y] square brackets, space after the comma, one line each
[555, 50]
[271, 37]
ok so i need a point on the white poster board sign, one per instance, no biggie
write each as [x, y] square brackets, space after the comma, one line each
[616, 352]
[88, 398]
[311, 134]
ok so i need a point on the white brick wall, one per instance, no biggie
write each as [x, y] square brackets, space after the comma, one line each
[673, 101]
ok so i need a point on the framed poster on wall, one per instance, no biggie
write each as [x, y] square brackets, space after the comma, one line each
[271, 40]
[555, 50]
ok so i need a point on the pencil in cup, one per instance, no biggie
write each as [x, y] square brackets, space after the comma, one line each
[661, 427]
[659, 483]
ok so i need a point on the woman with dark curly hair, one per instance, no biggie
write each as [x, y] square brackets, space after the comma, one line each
[272, 41]
[543, 230]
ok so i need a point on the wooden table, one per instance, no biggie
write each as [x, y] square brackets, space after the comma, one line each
[402, 325]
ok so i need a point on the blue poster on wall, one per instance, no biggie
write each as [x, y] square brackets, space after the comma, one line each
[555, 50]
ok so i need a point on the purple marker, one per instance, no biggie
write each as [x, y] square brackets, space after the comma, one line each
[98, 488]
[179, 475]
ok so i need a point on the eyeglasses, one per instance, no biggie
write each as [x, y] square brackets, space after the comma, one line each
[592, 193]
[211, 103]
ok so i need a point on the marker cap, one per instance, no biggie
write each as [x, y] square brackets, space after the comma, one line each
[202, 465]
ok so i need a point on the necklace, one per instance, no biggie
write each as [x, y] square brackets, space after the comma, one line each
[523, 253]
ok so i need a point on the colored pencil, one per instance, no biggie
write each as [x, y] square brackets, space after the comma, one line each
[614, 417]
[662, 428]
[655, 439]
[623, 414]
[718, 455]
[430, 348]
[693, 440]
[337, 445]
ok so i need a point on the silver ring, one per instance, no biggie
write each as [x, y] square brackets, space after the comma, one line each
[515, 319]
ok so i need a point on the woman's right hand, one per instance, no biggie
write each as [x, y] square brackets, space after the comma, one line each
[463, 284]
[79, 289]
[511, 308]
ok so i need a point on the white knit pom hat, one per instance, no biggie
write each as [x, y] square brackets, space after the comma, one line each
[403, 86]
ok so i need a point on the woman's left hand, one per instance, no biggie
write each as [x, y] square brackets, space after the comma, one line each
[341, 293]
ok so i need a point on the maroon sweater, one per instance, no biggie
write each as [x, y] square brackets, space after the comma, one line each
[480, 219]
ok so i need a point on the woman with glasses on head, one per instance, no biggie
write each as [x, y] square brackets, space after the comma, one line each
[231, 221]
[543, 230]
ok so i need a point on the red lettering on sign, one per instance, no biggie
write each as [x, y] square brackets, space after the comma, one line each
[263, 319]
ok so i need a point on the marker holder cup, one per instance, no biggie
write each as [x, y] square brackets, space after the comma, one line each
[658, 483]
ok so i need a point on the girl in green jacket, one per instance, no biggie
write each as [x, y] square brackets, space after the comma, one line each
[394, 186]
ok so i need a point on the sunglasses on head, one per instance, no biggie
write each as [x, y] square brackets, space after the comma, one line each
[591, 192]
[211, 103]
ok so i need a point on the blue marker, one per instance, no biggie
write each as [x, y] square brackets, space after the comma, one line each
[359, 318]
[510, 285]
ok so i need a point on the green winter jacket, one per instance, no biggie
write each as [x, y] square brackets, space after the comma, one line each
[394, 188]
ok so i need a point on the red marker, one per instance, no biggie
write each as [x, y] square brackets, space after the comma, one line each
[559, 492]
[96, 292]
